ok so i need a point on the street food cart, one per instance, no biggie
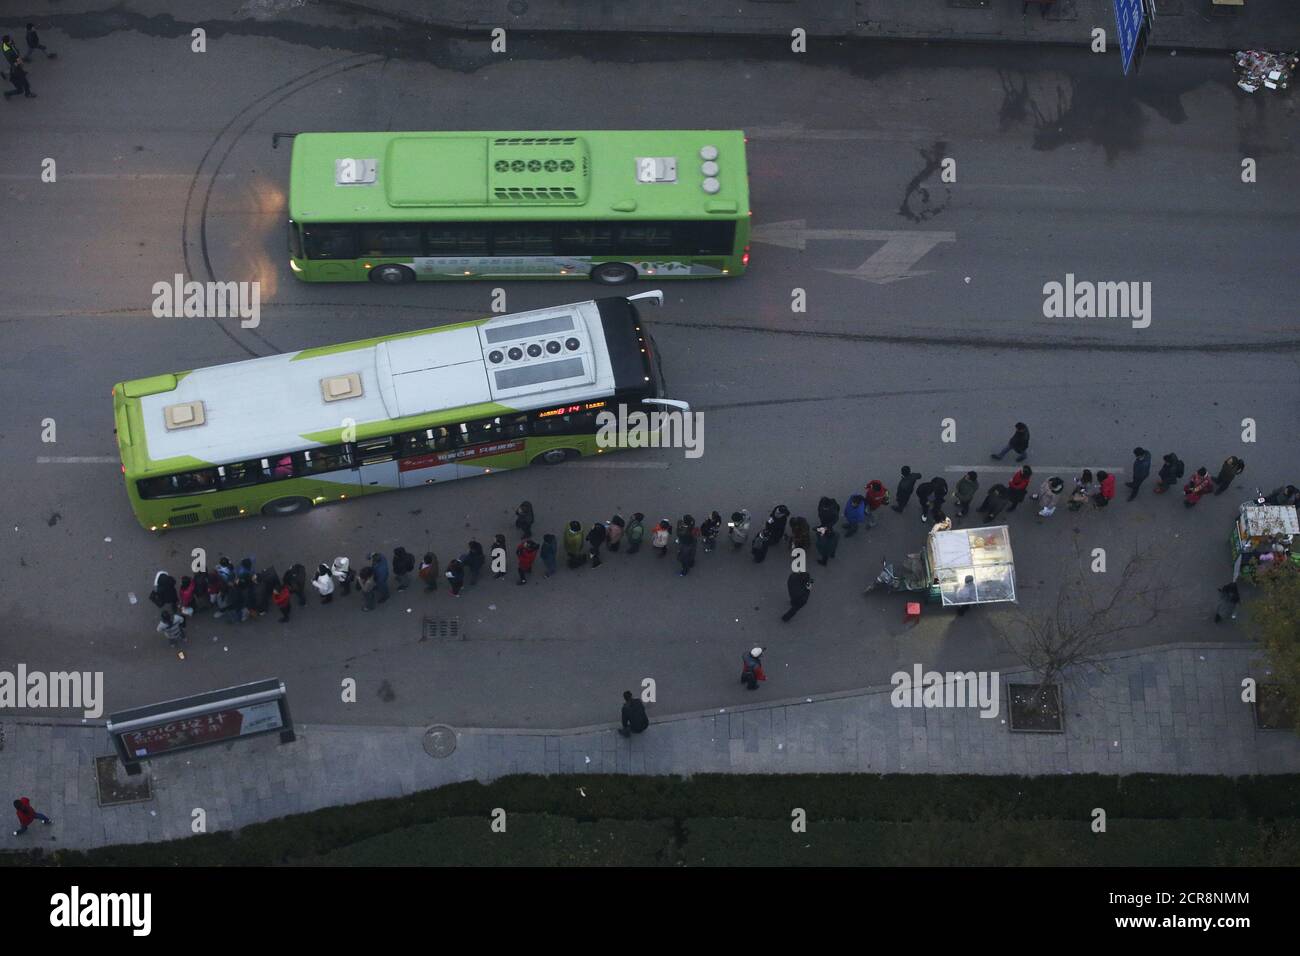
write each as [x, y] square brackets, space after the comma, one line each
[970, 566]
[1261, 536]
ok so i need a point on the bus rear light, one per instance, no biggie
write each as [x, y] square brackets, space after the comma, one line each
[744, 258]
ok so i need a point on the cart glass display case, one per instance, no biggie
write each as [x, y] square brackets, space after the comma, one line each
[971, 566]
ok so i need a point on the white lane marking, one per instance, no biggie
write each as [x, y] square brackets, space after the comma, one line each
[62, 176]
[77, 460]
[1011, 469]
[615, 464]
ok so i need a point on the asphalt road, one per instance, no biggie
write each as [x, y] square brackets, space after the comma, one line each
[165, 165]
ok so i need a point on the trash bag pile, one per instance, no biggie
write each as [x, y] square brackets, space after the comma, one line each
[1258, 68]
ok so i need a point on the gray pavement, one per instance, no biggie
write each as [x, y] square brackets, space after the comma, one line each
[1192, 24]
[1172, 709]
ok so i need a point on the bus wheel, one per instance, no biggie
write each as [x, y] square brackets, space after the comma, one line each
[556, 455]
[613, 273]
[286, 506]
[392, 275]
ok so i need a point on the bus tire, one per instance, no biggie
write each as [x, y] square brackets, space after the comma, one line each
[392, 274]
[281, 507]
[613, 273]
[557, 456]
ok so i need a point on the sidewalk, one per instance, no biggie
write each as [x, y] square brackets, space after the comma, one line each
[1186, 24]
[1169, 709]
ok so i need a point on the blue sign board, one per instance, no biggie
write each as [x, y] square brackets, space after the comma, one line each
[1129, 19]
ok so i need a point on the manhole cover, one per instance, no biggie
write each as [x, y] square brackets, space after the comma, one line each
[439, 741]
[115, 787]
[436, 628]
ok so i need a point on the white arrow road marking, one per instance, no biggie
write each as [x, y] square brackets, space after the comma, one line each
[902, 249]
[77, 460]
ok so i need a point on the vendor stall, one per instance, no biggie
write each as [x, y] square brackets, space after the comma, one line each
[970, 566]
[1262, 535]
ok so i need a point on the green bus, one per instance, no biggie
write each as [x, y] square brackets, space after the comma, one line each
[610, 205]
[285, 433]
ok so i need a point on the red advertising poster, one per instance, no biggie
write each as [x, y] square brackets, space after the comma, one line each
[203, 729]
[459, 454]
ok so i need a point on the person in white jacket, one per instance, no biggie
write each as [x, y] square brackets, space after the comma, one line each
[324, 583]
[343, 574]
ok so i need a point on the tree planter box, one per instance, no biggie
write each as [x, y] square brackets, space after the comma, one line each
[1033, 712]
[1272, 709]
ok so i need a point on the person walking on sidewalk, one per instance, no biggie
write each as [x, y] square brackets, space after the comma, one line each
[1049, 493]
[1232, 467]
[1105, 489]
[906, 482]
[660, 537]
[995, 502]
[34, 43]
[575, 545]
[282, 598]
[366, 585]
[967, 485]
[635, 719]
[27, 815]
[524, 519]
[855, 514]
[827, 542]
[635, 532]
[1141, 469]
[172, 627]
[1018, 442]
[324, 584]
[428, 572]
[1018, 487]
[473, 560]
[379, 564]
[686, 549]
[614, 529]
[525, 555]
[548, 553]
[344, 576]
[1197, 487]
[710, 528]
[799, 587]
[404, 564]
[595, 538]
[456, 575]
[1170, 471]
[758, 549]
[1229, 599]
[751, 668]
[497, 557]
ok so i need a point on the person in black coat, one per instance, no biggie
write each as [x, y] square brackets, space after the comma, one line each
[1018, 442]
[776, 523]
[595, 538]
[799, 586]
[828, 512]
[1141, 469]
[995, 502]
[635, 720]
[905, 485]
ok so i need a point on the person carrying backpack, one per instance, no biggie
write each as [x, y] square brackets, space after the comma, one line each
[751, 668]
[614, 532]
[403, 565]
[855, 514]
[525, 555]
[1169, 473]
[574, 549]
[660, 537]
[635, 533]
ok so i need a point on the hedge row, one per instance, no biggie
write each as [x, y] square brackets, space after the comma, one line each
[894, 798]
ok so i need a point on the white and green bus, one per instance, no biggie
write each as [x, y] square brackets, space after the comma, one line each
[609, 205]
[282, 434]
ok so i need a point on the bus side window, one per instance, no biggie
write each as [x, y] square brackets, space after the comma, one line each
[585, 239]
[331, 242]
[646, 238]
[283, 467]
[456, 239]
[391, 240]
[514, 426]
[712, 238]
[329, 458]
[523, 239]
[241, 473]
[485, 429]
[174, 486]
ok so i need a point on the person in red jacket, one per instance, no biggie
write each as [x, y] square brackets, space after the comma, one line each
[877, 494]
[281, 596]
[1018, 487]
[1200, 484]
[1106, 489]
[27, 815]
[525, 555]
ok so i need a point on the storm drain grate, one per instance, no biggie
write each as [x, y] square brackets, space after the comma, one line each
[441, 628]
